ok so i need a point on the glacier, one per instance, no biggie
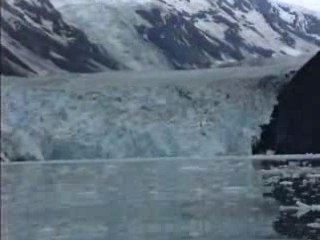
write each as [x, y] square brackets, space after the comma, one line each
[198, 113]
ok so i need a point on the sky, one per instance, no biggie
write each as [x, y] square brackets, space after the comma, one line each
[310, 4]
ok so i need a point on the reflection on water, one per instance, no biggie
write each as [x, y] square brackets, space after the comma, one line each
[205, 200]
[290, 224]
[297, 188]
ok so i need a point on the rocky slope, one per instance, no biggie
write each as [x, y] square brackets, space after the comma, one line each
[187, 34]
[295, 127]
[36, 40]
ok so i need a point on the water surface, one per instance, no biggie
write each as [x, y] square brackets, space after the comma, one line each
[207, 200]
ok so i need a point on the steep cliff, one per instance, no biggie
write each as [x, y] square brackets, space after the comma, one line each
[295, 124]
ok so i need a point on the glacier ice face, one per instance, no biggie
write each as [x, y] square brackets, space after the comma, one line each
[125, 115]
[19, 145]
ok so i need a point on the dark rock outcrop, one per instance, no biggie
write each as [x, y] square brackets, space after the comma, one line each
[295, 122]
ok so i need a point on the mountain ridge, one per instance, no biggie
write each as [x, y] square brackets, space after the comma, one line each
[36, 40]
[188, 34]
[143, 35]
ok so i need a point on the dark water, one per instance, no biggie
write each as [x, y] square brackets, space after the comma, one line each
[173, 200]
[296, 187]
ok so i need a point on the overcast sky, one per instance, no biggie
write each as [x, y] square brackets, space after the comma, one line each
[310, 4]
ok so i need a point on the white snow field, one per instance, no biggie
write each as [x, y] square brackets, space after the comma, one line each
[125, 115]
[112, 23]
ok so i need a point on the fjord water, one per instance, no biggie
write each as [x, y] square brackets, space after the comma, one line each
[159, 200]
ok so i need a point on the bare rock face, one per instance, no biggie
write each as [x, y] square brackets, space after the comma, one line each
[295, 124]
[35, 39]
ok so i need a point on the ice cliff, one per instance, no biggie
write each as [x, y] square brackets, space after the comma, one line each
[125, 115]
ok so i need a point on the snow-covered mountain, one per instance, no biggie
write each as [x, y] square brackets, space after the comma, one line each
[186, 34]
[36, 40]
[86, 36]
